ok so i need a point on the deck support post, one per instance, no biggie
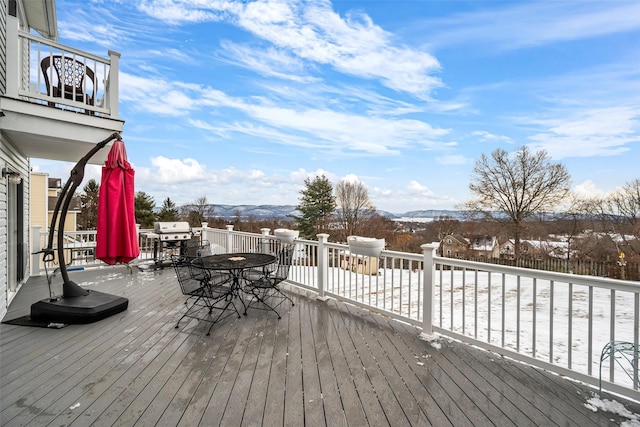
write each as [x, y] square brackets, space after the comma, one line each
[323, 259]
[265, 240]
[428, 292]
[229, 238]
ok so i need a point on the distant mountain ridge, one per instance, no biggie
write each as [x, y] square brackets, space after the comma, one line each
[288, 211]
[256, 211]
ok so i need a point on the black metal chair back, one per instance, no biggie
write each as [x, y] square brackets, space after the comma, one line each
[204, 293]
[189, 284]
[285, 258]
[263, 285]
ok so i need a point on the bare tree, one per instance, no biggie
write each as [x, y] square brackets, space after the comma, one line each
[575, 225]
[621, 211]
[517, 185]
[355, 208]
[197, 211]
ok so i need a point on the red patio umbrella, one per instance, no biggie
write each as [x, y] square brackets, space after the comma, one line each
[117, 237]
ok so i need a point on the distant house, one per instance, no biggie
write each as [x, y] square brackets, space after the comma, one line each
[532, 249]
[43, 196]
[473, 247]
[483, 247]
[454, 246]
[44, 193]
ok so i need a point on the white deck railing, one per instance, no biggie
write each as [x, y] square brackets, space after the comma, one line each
[26, 80]
[556, 321]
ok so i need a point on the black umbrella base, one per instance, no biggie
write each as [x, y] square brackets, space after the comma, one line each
[79, 309]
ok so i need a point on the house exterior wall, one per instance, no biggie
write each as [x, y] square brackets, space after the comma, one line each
[39, 200]
[454, 246]
[38, 215]
[10, 157]
[484, 247]
[3, 47]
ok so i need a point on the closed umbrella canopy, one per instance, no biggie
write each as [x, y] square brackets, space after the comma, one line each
[117, 237]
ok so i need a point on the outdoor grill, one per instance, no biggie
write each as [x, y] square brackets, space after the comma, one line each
[172, 231]
[169, 236]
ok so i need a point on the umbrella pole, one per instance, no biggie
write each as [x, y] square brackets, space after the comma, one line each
[69, 288]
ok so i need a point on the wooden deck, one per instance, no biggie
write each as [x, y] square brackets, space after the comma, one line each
[322, 364]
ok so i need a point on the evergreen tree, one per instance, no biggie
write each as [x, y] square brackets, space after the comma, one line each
[144, 205]
[316, 204]
[88, 217]
[169, 211]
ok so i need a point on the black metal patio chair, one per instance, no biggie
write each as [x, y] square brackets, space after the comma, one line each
[197, 249]
[204, 293]
[263, 284]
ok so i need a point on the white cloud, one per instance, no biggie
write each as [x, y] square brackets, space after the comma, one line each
[325, 129]
[181, 11]
[314, 33]
[535, 23]
[454, 159]
[486, 136]
[588, 133]
[269, 62]
[414, 196]
[298, 176]
[352, 178]
[587, 190]
[416, 187]
[174, 170]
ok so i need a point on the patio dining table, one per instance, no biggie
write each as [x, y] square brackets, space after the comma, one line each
[235, 264]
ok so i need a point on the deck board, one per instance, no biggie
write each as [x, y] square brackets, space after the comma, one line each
[329, 391]
[322, 364]
[350, 402]
[294, 402]
[310, 343]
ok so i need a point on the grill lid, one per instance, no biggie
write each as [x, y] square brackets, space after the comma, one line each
[171, 227]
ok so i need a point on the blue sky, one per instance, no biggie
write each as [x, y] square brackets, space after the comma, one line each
[240, 101]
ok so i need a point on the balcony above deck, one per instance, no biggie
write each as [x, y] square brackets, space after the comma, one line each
[58, 101]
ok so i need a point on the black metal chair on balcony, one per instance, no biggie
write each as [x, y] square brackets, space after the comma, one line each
[262, 285]
[74, 79]
[204, 294]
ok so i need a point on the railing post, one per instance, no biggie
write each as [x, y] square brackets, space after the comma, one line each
[204, 233]
[428, 293]
[323, 260]
[111, 92]
[35, 247]
[265, 242]
[229, 247]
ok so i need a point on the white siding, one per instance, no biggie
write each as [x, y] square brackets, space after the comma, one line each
[3, 47]
[9, 156]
